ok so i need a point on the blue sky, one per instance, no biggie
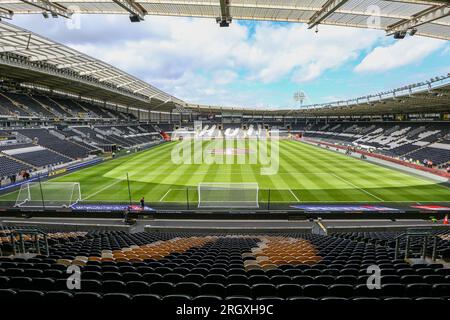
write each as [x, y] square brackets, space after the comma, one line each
[253, 64]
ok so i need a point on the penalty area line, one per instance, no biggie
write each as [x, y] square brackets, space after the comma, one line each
[296, 198]
[165, 195]
[359, 188]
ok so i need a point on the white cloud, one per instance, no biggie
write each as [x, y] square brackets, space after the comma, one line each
[400, 53]
[197, 61]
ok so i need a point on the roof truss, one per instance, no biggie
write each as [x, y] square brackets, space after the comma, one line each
[53, 8]
[6, 14]
[432, 14]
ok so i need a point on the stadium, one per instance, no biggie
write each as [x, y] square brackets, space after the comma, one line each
[115, 191]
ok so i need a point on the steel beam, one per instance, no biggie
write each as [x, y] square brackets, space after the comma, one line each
[133, 8]
[85, 73]
[112, 78]
[73, 65]
[27, 48]
[6, 14]
[327, 9]
[426, 16]
[126, 84]
[47, 6]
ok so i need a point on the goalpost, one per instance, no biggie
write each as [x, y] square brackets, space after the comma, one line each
[228, 195]
[48, 194]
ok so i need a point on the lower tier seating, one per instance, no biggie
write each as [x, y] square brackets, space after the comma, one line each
[156, 267]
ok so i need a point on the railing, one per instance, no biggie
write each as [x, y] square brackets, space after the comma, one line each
[424, 234]
[18, 242]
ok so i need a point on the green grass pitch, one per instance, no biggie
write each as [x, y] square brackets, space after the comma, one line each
[306, 174]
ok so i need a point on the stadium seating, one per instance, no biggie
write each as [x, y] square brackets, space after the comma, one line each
[156, 266]
[417, 141]
[9, 166]
[9, 108]
[52, 142]
[34, 106]
[38, 105]
[42, 158]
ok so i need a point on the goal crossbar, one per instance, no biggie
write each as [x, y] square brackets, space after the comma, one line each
[48, 194]
[228, 195]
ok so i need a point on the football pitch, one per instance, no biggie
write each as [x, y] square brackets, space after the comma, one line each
[306, 174]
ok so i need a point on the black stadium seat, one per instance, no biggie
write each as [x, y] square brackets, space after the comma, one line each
[339, 277]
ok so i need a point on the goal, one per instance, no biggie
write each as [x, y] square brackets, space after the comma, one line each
[48, 194]
[228, 195]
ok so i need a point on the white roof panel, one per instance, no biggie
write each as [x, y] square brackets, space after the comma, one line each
[346, 12]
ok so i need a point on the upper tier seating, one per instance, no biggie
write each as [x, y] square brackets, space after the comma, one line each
[38, 105]
[57, 109]
[152, 267]
[31, 104]
[8, 108]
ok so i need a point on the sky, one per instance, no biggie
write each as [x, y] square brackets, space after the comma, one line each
[249, 64]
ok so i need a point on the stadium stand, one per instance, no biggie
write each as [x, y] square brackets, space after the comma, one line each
[9, 108]
[42, 158]
[417, 141]
[28, 103]
[155, 266]
[52, 142]
[9, 166]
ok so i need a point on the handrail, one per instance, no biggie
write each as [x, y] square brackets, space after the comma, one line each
[34, 236]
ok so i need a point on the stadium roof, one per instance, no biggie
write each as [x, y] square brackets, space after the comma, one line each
[430, 96]
[425, 17]
[31, 58]
[35, 60]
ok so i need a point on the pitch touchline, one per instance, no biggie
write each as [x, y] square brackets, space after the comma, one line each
[355, 186]
[242, 172]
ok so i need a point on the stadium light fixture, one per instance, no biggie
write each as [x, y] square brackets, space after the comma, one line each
[400, 35]
[137, 13]
[426, 16]
[225, 19]
[412, 32]
[135, 18]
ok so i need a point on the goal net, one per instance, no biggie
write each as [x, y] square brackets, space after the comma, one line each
[228, 195]
[48, 194]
